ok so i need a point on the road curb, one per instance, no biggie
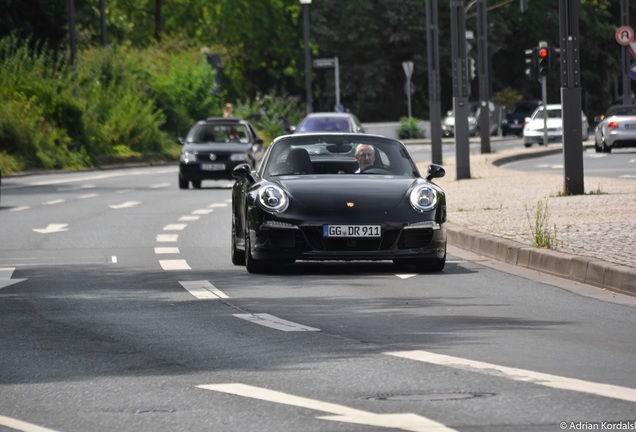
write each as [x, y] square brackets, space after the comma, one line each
[590, 271]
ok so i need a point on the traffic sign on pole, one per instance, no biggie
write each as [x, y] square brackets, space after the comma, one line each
[632, 71]
[632, 49]
[624, 35]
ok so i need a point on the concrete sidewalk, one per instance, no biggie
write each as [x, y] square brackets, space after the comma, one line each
[494, 214]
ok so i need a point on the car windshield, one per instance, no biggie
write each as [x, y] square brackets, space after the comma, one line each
[622, 111]
[212, 133]
[552, 113]
[335, 154]
[325, 124]
[522, 108]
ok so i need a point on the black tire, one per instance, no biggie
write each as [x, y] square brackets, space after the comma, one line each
[238, 256]
[183, 183]
[252, 265]
[432, 265]
[597, 146]
[196, 184]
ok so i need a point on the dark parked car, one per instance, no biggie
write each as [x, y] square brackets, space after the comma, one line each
[516, 115]
[307, 201]
[330, 122]
[213, 147]
[616, 129]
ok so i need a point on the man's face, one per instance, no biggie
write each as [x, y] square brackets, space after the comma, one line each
[365, 156]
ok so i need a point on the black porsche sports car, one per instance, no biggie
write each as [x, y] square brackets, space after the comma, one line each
[309, 200]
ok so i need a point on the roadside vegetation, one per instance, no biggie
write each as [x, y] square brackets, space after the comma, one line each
[543, 235]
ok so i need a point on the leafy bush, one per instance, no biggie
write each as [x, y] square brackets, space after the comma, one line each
[409, 128]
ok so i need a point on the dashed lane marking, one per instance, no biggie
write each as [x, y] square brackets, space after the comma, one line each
[189, 218]
[271, 321]
[53, 202]
[339, 413]
[203, 290]
[215, 205]
[93, 195]
[176, 264]
[202, 212]
[21, 208]
[166, 250]
[167, 238]
[175, 227]
[127, 204]
[553, 381]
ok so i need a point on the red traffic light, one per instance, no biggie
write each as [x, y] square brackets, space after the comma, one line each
[543, 52]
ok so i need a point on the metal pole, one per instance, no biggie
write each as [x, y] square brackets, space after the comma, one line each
[408, 94]
[435, 107]
[71, 30]
[460, 88]
[571, 97]
[482, 72]
[309, 99]
[625, 57]
[544, 98]
[337, 73]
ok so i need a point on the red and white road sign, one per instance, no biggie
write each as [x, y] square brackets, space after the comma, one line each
[624, 35]
[632, 49]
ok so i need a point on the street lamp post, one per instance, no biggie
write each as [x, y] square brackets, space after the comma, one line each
[309, 98]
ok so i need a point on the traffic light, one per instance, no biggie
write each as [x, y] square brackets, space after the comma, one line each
[531, 64]
[544, 61]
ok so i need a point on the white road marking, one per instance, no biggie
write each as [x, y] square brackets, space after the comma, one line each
[167, 238]
[6, 274]
[217, 205]
[166, 250]
[113, 259]
[52, 202]
[203, 290]
[93, 195]
[178, 264]
[52, 228]
[406, 276]
[127, 204]
[628, 176]
[175, 227]
[189, 218]
[339, 413]
[202, 212]
[23, 426]
[553, 381]
[21, 208]
[271, 321]
[160, 185]
[74, 188]
[121, 191]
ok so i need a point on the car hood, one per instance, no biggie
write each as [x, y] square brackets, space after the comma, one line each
[217, 147]
[552, 123]
[366, 192]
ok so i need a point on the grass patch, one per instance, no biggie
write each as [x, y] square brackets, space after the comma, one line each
[542, 235]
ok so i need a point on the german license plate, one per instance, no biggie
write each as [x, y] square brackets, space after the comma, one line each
[212, 167]
[351, 231]
[630, 126]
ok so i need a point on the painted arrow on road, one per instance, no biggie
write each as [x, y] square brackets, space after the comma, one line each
[5, 277]
[52, 228]
[340, 413]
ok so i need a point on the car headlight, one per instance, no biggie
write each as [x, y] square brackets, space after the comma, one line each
[239, 157]
[188, 157]
[272, 199]
[424, 198]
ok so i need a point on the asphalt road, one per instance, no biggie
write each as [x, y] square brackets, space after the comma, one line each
[120, 310]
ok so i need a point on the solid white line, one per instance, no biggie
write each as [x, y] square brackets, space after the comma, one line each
[174, 264]
[171, 238]
[203, 290]
[174, 227]
[554, 381]
[167, 250]
[189, 218]
[271, 321]
[22, 425]
[339, 413]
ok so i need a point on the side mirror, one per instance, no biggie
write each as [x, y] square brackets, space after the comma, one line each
[291, 129]
[243, 171]
[435, 171]
[180, 141]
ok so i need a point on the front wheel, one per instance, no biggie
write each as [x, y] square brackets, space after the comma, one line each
[183, 183]
[238, 256]
[252, 265]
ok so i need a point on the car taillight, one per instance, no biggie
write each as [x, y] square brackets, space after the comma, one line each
[612, 124]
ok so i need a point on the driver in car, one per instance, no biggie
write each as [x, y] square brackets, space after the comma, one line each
[364, 156]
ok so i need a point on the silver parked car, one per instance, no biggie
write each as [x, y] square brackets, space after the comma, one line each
[616, 129]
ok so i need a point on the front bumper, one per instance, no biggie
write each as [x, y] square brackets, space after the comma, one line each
[305, 242]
